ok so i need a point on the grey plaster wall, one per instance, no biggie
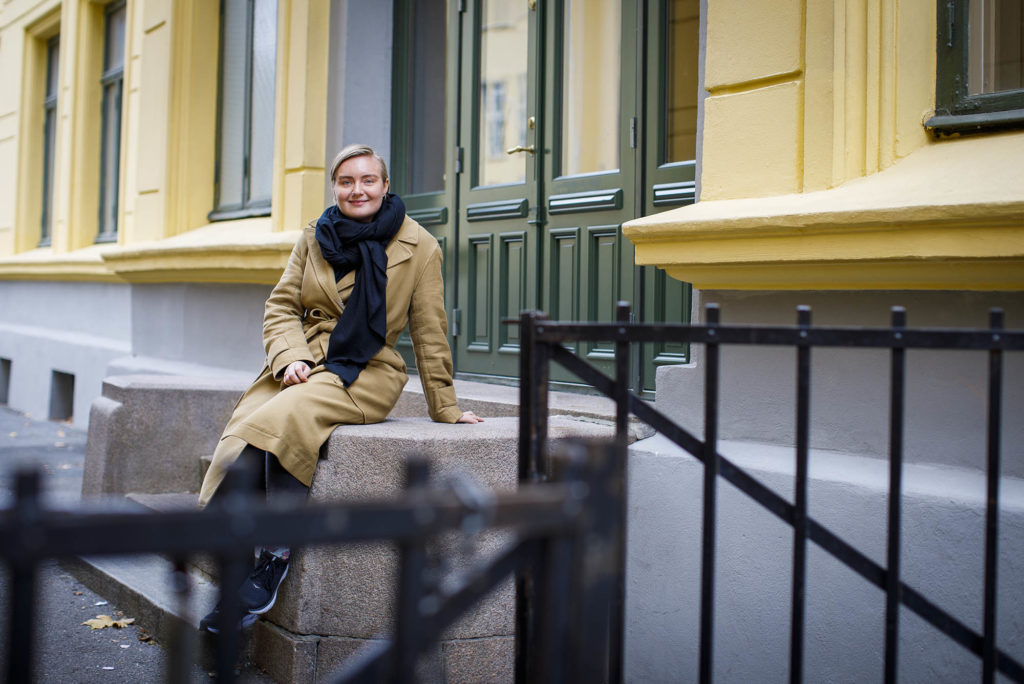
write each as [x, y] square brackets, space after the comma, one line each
[943, 533]
[199, 324]
[946, 393]
[74, 328]
[92, 330]
[359, 78]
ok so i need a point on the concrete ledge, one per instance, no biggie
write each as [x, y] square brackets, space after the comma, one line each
[942, 557]
[343, 597]
[147, 432]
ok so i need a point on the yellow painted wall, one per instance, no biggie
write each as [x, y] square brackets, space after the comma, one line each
[817, 171]
[168, 143]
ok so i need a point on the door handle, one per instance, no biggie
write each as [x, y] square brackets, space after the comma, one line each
[520, 148]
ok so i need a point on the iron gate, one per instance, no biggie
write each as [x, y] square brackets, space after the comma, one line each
[544, 341]
[562, 532]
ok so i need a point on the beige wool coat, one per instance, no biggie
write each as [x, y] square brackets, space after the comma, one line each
[293, 422]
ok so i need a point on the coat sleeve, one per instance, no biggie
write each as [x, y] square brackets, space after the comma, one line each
[283, 336]
[428, 328]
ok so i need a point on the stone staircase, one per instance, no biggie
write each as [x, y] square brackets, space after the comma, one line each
[149, 436]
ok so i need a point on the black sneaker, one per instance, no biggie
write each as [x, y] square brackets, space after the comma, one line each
[211, 623]
[259, 591]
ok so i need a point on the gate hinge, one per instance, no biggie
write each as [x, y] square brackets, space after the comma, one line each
[455, 322]
[458, 160]
[632, 133]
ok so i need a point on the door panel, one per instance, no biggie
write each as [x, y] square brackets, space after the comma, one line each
[497, 190]
[560, 139]
[589, 164]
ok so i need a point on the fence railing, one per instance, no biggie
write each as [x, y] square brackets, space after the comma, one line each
[561, 530]
[544, 341]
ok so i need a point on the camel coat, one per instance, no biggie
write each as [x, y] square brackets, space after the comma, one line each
[294, 422]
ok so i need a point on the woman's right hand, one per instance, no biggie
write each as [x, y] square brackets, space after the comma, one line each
[296, 372]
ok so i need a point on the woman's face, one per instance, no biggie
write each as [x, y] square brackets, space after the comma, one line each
[359, 188]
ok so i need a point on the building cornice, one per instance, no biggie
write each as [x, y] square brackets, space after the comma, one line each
[949, 216]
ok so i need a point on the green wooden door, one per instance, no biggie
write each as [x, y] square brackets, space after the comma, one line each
[670, 53]
[548, 121]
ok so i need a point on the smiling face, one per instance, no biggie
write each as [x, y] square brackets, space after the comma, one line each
[359, 187]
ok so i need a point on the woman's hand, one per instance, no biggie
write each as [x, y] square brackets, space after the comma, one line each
[296, 372]
[469, 417]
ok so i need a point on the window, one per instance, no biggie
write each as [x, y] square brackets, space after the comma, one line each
[112, 83]
[49, 137]
[980, 80]
[493, 95]
[421, 26]
[246, 108]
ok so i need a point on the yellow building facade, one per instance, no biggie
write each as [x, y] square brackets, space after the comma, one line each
[819, 171]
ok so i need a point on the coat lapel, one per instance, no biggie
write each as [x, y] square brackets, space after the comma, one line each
[323, 271]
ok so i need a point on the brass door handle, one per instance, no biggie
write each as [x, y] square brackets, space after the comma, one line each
[520, 148]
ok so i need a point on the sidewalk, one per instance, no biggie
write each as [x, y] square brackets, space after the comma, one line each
[69, 651]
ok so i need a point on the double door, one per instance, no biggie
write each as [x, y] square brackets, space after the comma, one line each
[559, 139]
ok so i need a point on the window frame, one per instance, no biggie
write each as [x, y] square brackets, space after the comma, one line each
[247, 208]
[957, 111]
[112, 86]
[49, 139]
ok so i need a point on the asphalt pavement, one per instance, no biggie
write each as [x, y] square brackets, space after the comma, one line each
[66, 649]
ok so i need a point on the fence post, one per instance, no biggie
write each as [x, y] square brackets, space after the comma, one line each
[892, 571]
[707, 568]
[24, 573]
[617, 615]
[533, 429]
[995, 390]
[412, 563]
[803, 421]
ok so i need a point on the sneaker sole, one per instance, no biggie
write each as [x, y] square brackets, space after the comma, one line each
[273, 599]
[247, 620]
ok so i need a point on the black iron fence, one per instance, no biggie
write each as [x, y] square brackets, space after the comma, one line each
[561, 530]
[544, 341]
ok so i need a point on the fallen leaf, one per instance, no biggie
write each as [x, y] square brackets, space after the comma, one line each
[76, 593]
[145, 637]
[101, 621]
[59, 444]
[60, 433]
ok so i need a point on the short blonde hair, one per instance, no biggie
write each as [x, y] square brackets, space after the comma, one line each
[358, 150]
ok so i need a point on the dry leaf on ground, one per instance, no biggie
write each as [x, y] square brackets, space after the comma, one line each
[101, 621]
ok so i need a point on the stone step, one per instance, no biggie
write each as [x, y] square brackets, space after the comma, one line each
[141, 585]
[170, 502]
[486, 399]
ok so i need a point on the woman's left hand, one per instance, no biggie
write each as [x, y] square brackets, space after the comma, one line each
[469, 417]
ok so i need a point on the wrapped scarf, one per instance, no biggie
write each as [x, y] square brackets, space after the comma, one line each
[351, 245]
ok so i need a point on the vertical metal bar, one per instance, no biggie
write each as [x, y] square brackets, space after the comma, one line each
[237, 501]
[527, 459]
[24, 573]
[598, 574]
[892, 575]
[995, 390]
[533, 427]
[803, 409]
[183, 635]
[542, 374]
[527, 395]
[707, 572]
[409, 622]
[616, 637]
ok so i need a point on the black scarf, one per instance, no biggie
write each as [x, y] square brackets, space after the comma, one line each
[351, 245]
